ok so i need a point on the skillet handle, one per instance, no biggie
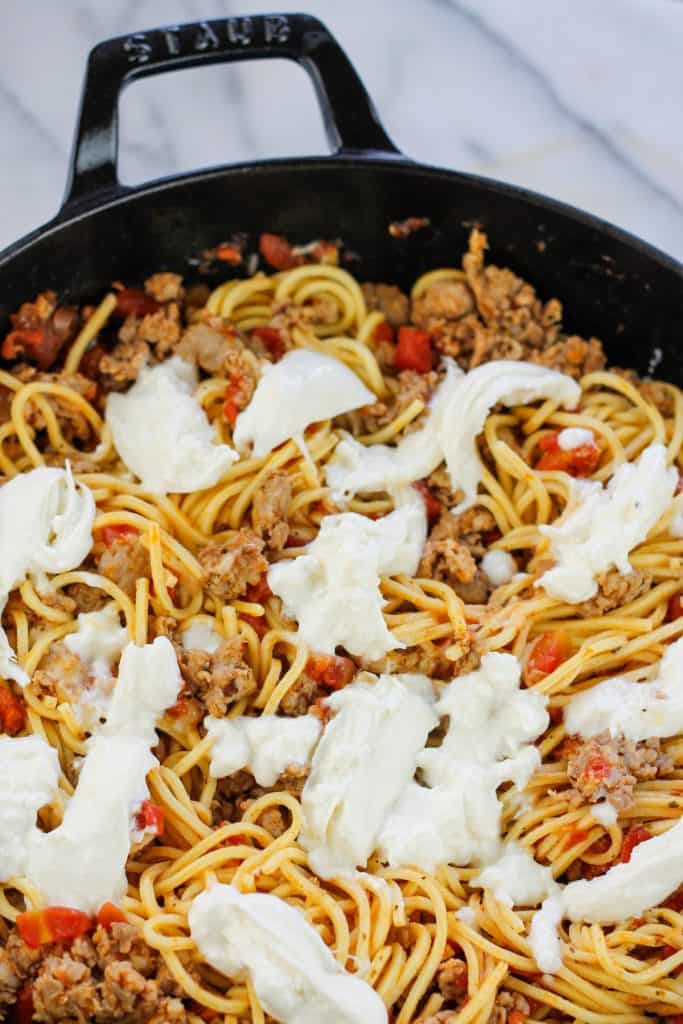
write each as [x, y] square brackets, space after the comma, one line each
[350, 119]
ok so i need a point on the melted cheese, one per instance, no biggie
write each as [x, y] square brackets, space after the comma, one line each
[638, 711]
[265, 745]
[455, 817]
[29, 774]
[201, 636]
[294, 974]
[98, 641]
[602, 525]
[574, 437]
[304, 387]
[162, 433]
[45, 527]
[456, 416]
[380, 726]
[333, 589]
[498, 566]
[515, 878]
[654, 871]
[82, 862]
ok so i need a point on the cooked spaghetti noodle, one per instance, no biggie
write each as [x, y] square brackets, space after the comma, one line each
[403, 936]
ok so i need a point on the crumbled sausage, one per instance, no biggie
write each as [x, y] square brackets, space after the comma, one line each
[449, 558]
[61, 674]
[160, 329]
[403, 391]
[237, 792]
[269, 510]
[494, 314]
[603, 767]
[429, 658]
[615, 590]
[505, 1004]
[125, 561]
[406, 228]
[165, 287]
[231, 564]
[220, 679]
[121, 366]
[85, 598]
[452, 979]
[299, 697]
[40, 330]
[389, 300]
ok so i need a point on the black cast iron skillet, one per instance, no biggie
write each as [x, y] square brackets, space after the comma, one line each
[613, 285]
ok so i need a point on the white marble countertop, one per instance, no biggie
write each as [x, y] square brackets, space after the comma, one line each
[580, 100]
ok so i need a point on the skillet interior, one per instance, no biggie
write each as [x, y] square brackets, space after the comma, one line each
[612, 286]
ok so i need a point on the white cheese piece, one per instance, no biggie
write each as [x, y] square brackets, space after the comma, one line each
[265, 745]
[162, 433]
[456, 416]
[604, 813]
[367, 755]
[544, 938]
[98, 641]
[455, 817]
[516, 878]
[498, 566]
[201, 635]
[29, 775]
[45, 527]
[356, 468]
[637, 711]
[304, 387]
[468, 916]
[82, 862]
[574, 437]
[654, 871]
[602, 525]
[294, 974]
[333, 589]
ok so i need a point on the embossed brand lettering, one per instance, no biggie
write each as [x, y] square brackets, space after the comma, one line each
[240, 30]
[137, 48]
[172, 37]
[276, 29]
[206, 38]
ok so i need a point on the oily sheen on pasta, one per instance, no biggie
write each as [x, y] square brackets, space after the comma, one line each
[341, 656]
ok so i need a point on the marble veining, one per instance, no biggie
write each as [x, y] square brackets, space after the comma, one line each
[578, 100]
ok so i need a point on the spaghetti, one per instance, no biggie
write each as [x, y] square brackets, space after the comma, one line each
[405, 932]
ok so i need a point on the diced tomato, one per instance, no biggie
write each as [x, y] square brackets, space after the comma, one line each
[235, 840]
[433, 506]
[54, 924]
[118, 531]
[110, 914]
[278, 253]
[581, 461]
[321, 709]
[546, 654]
[23, 339]
[384, 332]
[633, 838]
[150, 816]
[23, 1009]
[228, 253]
[272, 340]
[12, 712]
[330, 670]
[257, 622]
[259, 592]
[576, 836]
[413, 350]
[135, 302]
[516, 1017]
[674, 608]
[596, 769]
[675, 901]
[236, 397]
